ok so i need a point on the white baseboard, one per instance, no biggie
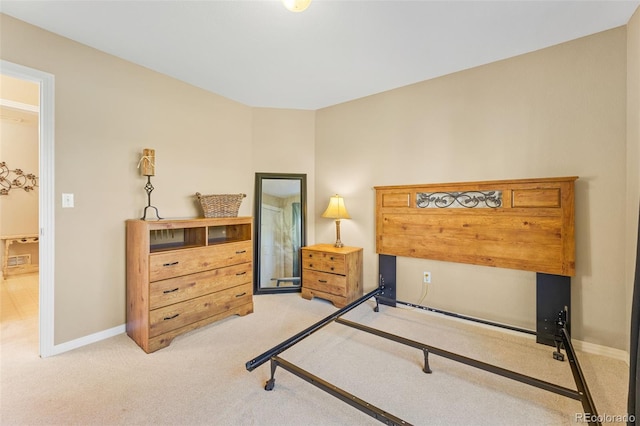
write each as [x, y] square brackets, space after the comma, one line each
[595, 349]
[87, 340]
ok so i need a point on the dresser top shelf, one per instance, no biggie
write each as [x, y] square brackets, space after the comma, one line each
[156, 236]
[156, 248]
[192, 222]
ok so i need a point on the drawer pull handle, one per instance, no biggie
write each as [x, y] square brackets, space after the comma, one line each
[171, 291]
[331, 258]
[241, 251]
[322, 281]
[240, 273]
[171, 264]
[332, 268]
[171, 317]
[311, 265]
[241, 294]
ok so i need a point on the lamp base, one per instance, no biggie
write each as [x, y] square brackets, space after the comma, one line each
[338, 242]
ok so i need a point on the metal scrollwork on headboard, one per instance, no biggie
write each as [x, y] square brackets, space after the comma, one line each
[466, 199]
[28, 181]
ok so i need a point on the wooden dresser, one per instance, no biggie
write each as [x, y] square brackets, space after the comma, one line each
[184, 274]
[332, 273]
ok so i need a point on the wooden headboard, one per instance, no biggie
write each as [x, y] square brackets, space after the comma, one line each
[525, 224]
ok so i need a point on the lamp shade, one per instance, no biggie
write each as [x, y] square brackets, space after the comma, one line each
[336, 209]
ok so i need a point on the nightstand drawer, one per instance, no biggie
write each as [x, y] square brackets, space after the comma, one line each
[320, 261]
[328, 283]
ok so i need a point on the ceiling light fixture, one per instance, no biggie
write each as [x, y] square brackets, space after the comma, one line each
[296, 5]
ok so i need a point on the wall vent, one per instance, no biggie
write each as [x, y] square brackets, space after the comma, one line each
[22, 259]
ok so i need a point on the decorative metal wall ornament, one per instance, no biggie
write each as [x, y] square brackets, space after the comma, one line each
[466, 199]
[28, 181]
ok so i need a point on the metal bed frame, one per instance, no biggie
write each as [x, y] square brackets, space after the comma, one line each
[458, 222]
[386, 295]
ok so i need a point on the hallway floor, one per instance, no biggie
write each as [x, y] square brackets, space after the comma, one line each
[19, 310]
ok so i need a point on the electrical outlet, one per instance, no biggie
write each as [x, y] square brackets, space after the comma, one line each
[426, 278]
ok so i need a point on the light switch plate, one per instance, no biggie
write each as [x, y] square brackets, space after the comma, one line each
[67, 200]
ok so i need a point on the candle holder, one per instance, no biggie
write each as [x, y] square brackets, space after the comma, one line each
[148, 163]
[149, 188]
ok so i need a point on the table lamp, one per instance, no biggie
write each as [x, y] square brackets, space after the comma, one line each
[337, 211]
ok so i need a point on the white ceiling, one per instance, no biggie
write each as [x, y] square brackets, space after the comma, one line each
[260, 54]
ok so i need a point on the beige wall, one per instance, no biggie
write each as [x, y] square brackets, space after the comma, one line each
[633, 155]
[555, 112]
[284, 142]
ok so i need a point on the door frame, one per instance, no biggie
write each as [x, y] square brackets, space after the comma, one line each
[276, 211]
[46, 199]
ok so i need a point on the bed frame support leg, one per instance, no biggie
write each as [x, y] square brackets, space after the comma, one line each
[426, 368]
[560, 325]
[557, 354]
[377, 307]
[270, 384]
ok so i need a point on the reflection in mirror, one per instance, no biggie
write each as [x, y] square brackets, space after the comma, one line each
[280, 213]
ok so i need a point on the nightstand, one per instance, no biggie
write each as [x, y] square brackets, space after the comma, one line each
[332, 273]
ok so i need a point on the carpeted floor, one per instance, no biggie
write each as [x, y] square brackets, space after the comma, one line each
[201, 377]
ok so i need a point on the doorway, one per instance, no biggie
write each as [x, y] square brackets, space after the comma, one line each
[271, 253]
[19, 156]
[45, 190]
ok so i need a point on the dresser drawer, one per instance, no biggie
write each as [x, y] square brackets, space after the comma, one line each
[320, 261]
[174, 290]
[170, 317]
[182, 262]
[322, 281]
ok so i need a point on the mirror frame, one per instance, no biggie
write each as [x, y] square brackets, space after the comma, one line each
[257, 225]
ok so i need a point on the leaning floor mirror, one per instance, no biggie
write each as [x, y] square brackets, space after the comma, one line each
[280, 223]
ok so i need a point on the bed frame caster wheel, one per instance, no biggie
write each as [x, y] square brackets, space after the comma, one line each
[558, 356]
[270, 384]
